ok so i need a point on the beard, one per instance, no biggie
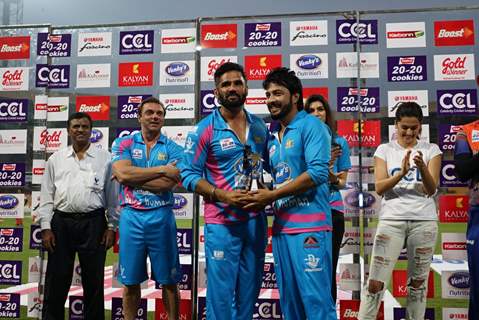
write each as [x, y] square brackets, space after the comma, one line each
[285, 109]
[225, 102]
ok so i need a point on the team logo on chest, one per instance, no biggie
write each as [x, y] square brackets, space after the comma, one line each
[161, 156]
[475, 136]
[310, 242]
[289, 144]
[137, 153]
[258, 139]
[227, 144]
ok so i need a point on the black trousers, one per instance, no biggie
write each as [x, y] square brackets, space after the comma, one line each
[338, 232]
[82, 234]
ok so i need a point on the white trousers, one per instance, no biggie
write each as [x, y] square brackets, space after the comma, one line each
[391, 235]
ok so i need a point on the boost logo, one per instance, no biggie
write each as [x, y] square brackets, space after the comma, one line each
[219, 36]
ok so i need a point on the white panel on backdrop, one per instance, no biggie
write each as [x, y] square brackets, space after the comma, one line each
[94, 44]
[14, 79]
[183, 206]
[256, 101]
[405, 34]
[93, 75]
[35, 202]
[349, 276]
[453, 246]
[12, 205]
[418, 96]
[178, 40]
[99, 138]
[177, 133]
[210, 64]
[176, 73]
[38, 168]
[366, 170]
[40, 109]
[309, 65]
[49, 140]
[57, 108]
[455, 313]
[34, 268]
[350, 242]
[308, 33]
[347, 64]
[13, 141]
[34, 305]
[454, 67]
[424, 132]
[455, 284]
[179, 105]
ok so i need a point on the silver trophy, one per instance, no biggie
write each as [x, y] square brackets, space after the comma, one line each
[252, 170]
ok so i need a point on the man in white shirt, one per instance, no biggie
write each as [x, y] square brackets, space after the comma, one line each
[76, 190]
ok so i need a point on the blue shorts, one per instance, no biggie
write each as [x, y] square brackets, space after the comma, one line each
[302, 263]
[148, 233]
[234, 267]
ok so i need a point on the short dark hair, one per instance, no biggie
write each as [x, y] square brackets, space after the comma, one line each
[329, 114]
[151, 100]
[227, 67]
[287, 78]
[409, 109]
[79, 115]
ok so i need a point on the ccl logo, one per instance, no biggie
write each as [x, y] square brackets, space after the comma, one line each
[448, 172]
[359, 30]
[13, 108]
[137, 40]
[10, 271]
[183, 239]
[76, 306]
[209, 100]
[127, 132]
[51, 74]
[268, 309]
[458, 99]
[36, 236]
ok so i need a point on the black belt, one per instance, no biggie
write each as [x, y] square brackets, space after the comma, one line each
[81, 215]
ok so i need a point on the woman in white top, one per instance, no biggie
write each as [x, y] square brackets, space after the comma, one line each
[407, 175]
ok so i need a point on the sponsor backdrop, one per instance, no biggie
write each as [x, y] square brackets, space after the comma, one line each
[47, 74]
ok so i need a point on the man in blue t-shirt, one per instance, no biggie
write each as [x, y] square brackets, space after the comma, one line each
[222, 161]
[299, 154]
[145, 165]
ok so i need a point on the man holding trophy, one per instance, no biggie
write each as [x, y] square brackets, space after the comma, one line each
[223, 162]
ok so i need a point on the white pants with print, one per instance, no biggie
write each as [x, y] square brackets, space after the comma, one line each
[391, 235]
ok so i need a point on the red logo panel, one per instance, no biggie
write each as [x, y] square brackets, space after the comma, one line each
[453, 208]
[454, 33]
[184, 312]
[257, 67]
[400, 284]
[349, 310]
[135, 74]
[319, 90]
[219, 35]
[14, 48]
[370, 132]
[98, 107]
[269, 247]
